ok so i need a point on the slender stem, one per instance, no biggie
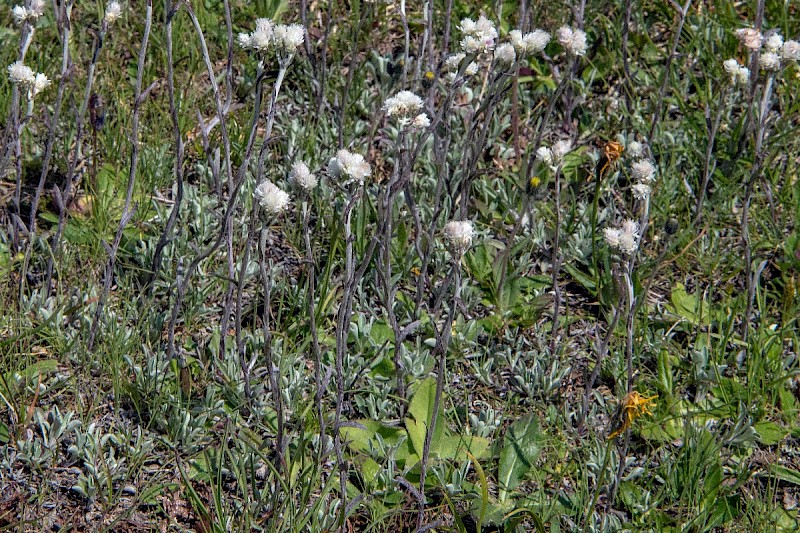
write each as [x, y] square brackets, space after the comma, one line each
[312, 324]
[556, 260]
[127, 212]
[440, 351]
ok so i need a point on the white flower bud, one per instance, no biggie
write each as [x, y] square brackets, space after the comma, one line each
[458, 234]
[634, 149]
[743, 75]
[545, 155]
[560, 150]
[113, 12]
[40, 83]
[421, 121]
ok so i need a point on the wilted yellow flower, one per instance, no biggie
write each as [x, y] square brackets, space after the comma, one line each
[632, 406]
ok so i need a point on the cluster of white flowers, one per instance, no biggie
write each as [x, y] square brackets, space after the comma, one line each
[644, 172]
[271, 198]
[286, 38]
[406, 105]
[738, 74]
[30, 15]
[113, 12]
[775, 49]
[625, 238]
[301, 179]
[454, 61]
[479, 36]
[750, 38]
[530, 43]
[23, 76]
[458, 235]
[350, 166]
[573, 40]
[553, 157]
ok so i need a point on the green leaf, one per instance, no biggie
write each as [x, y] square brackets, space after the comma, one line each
[421, 405]
[521, 446]
[785, 474]
[770, 433]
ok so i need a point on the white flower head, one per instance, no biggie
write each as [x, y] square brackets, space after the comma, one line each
[644, 171]
[421, 121]
[505, 54]
[20, 14]
[301, 178]
[467, 26]
[773, 43]
[454, 61]
[271, 198]
[471, 69]
[479, 36]
[769, 61]
[113, 12]
[458, 235]
[37, 8]
[21, 74]
[350, 166]
[743, 75]
[625, 238]
[560, 150]
[545, 155]
[244, 40]
[288, 38]
[731, 66]
[403, 104]
[573, 41]
[612, 236]
[261, 38]
[641, 191]
[627, 243]
[536, 41]
[634, 149]
[485, 29]
[472, 45]
[791, 51]
[517, 41]
[40, 83]
[750, 38]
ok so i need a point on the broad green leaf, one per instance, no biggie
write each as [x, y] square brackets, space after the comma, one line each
[521, 446]
[770, 433]
[421, 405]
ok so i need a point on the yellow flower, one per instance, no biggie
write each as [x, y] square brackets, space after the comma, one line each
[632, 406]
